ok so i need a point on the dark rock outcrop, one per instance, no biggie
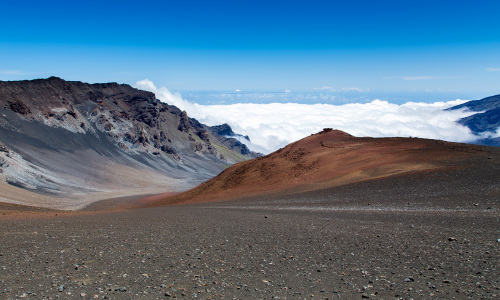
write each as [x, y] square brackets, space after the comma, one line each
[19, 107]
[183, 122]
[227, 136]
[227, 131]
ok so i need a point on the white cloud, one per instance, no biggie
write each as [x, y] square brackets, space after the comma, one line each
[490, 135]
[325, 88]
[274, 125]
[15, 72]
[166, 96]
[493, 69]
[353, 89]
[343, 89]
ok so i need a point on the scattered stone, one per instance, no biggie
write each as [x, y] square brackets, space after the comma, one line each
[60, 288]
[452, 239]
[409, 279]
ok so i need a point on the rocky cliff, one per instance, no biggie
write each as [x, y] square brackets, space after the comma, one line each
[61, 138]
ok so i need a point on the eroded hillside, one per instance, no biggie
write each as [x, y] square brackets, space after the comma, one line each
[76, 142]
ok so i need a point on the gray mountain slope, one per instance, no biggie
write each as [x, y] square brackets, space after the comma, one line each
[485, 122]
[73, 141]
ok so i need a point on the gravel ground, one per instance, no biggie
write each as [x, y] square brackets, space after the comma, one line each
[203, 251]
[418, 236]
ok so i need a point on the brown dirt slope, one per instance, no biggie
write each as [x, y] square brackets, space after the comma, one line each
[331, 158]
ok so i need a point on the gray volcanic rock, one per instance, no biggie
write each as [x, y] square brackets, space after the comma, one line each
[63, 137]
[227, 136]
[227, 131]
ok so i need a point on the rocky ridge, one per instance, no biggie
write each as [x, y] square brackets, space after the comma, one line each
[45, 122]
[134, 119]
[232, 140]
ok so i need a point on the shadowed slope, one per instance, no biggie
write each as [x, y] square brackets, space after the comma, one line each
[329, 159]
[485, 122]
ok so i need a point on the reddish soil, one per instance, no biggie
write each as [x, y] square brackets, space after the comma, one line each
[328, 159]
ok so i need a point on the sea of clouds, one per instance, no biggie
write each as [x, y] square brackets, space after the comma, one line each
[271, 126]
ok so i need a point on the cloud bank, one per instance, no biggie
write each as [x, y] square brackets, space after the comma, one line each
[274, 125]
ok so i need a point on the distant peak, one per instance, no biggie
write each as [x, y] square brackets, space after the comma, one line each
[55, 78]
[224, 130]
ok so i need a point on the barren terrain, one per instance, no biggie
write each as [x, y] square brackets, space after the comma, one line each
[334, 158]
[424, 224]
[248, 252]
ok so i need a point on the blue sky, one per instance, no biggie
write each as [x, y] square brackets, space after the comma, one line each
[389, 46]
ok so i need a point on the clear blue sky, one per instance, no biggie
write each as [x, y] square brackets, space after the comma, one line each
[398, 45]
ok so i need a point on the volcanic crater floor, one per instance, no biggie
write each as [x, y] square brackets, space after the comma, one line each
[246, 250]
[427, 234]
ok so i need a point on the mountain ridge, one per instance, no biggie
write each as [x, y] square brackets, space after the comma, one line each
[52, 130]
[485, 122]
